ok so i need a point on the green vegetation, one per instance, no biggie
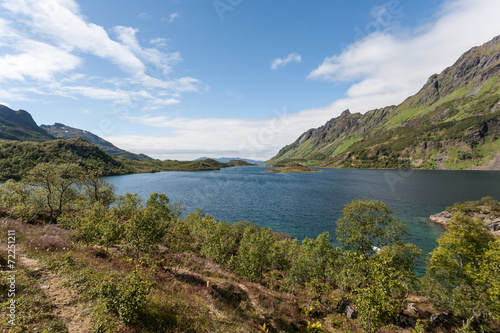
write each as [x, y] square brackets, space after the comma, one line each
[20, 126]
[462, 273]
[139, 266]
[17, 158]
[293, 168]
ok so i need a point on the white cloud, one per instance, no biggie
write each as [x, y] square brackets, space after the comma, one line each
[396, 64]
[172, 17]
[282, 62]
[36, 60]
[60, 37]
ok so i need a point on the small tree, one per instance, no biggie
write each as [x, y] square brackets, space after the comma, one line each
[96, 189]
[454, 276]
[254, 254]
[315, 260]
[23, 200]
[57, 181]
[368, 225]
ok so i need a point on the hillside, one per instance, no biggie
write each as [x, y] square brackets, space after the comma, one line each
[62, 131]
[16, 158]
[453, 122]
[20, 126]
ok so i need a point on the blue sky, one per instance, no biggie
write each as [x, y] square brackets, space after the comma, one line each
[183, 79]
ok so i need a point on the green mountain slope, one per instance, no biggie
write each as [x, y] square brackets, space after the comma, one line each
[62, 131]
[16, 158]
[453, 122]
[20, 126]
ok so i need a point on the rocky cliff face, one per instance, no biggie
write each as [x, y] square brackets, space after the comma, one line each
[453, 122]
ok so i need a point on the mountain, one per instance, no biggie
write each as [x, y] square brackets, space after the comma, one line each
[20, 126]
[62, 131]
[229, 159]
[453, 122]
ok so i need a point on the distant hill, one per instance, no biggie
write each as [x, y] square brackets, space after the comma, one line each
[20, 126]
[16, 158]
[453, 122]
[229, 159]
[62, 131]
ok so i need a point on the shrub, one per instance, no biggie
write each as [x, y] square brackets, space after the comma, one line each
[126, 297]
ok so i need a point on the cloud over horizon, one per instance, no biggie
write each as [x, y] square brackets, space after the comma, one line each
[384, 68]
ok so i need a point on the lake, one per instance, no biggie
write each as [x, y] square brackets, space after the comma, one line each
[306, 204]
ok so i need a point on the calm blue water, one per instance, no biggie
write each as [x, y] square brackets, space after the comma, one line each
[306, 204]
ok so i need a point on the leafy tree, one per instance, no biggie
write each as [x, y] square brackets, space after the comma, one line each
[488, 275]
[219, 243]
[455, 277]
[23, 200]
[57, 183]
[368, 225]
[144, 231]
[254, 255]
[284, 253]
[96, 189]
[127, 205]
[315, 260]
[375, 299]
[158, 206]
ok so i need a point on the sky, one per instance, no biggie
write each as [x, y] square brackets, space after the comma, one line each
[181, 79]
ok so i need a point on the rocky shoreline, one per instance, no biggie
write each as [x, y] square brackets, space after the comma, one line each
[491, 222]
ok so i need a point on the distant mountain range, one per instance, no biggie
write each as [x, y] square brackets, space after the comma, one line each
[62, 131]
[229, 159]
[20, 126]
[453, 122]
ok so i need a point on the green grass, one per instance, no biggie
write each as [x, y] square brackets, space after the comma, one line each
[346, 144]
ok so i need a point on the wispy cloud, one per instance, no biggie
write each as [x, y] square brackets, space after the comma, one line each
[144, 16]
[52, 50]
[282, 62]
[172, 17]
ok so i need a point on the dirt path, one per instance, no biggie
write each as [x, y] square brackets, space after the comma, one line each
[61, 297]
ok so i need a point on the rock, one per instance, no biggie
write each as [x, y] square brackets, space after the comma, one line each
[493, 225]
[412, 309]
[344, 306]
[350, 312]
[442, 218]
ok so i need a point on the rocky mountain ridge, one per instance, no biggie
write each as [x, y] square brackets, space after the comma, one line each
[453, 122]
